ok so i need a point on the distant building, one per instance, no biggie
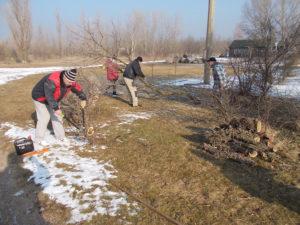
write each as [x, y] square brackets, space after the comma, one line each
[245, 48]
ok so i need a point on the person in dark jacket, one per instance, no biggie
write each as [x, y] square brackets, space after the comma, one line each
[131, 72]
[46, 95]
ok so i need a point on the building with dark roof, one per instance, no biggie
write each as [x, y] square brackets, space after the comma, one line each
[245, 48]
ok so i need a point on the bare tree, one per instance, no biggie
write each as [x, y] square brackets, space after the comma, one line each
[190, 45]
[5, 50]
[116, 39]
[168, 35]
[19, 20]
[43, 45]
[289, 20]
[39, 48]
[94, 39]
[157, 36]
[266, 64]
[238, 32]
[132, 33]
[59, 33]
[220, 46]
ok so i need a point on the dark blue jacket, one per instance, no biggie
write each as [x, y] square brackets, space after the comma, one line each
[133, 69]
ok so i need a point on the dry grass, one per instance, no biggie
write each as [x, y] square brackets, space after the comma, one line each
[16, 97]
[168, 170]
[160, 161]
[172, 69]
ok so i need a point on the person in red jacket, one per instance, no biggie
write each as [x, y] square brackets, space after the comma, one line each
[46, 95]
[112, 74]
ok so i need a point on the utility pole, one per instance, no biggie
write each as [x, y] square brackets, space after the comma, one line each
[209, 38]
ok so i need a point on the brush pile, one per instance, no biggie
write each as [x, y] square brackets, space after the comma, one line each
[242, 140]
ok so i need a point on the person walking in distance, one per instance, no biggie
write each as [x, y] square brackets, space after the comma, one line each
[131, 72]
[46, 95]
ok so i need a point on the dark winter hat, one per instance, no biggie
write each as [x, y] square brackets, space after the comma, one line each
[212, 59]
[139, 58]
[71, 74]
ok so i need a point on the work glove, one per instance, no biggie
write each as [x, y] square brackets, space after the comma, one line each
[59, 114]
[83, 104]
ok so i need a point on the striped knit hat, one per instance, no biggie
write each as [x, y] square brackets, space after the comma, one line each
[71, 74]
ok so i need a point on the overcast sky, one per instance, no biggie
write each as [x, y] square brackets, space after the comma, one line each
[192, 14]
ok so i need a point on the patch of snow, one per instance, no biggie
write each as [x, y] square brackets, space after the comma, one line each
[223, 59]
[131, 117]
[76, 182]
[93, 66]
[154, 62]
[182, 82]
[290, 88]
[19, 193]
[9, 74]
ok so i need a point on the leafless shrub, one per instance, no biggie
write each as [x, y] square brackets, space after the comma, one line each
[5, 51]
[190, 45]
[42, 46]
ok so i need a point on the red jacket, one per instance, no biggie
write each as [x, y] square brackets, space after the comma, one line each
[112, 69]
[51, 89]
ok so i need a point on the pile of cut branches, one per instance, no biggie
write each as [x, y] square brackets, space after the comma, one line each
[242, 140]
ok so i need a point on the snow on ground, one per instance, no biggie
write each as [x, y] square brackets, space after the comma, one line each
[79, 183]
[9, 74]
[155, 62]
[182, 82]
[131, 117]
[223, 59]
[290, 88]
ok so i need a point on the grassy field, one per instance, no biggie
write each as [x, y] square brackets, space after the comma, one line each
[160, 161]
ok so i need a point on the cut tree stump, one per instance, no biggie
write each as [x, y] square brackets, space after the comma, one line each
[258, 126]
[253, 154]
[257, 139]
